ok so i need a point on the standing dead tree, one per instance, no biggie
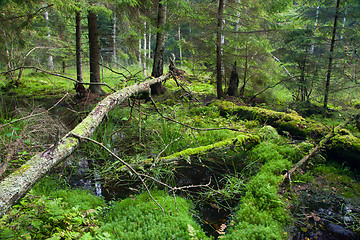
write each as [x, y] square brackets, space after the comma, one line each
[16, 185]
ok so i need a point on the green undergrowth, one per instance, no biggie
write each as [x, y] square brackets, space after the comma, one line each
[339, 178]
[51, 213]
[262, 214]
[141, 218]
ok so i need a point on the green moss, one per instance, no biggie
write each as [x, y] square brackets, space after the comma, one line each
[344, 140]
[240, 141]
[141, 218]
[288, 122]
[262, 214]
[22, 169]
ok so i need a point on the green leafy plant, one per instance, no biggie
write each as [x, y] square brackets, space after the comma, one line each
[63, 214]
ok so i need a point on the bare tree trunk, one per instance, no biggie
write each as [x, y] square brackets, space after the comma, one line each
[149, 46]
[139, 53]
[50, 61]
[180, 50]
[219, 67]
[315, 25]
[332, 44]
[80, 89]
[16, 185]
[144, 49]
[158, 64]
[114, 39]
[94, 54]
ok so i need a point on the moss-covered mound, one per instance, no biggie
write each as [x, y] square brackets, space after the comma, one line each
[345, 147]
[262, 214]
[141, 218]
[283, 122]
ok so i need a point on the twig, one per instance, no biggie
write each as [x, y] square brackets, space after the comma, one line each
[131, 112]
[191, 127]
[315, 149]
[29, 16]
[157, 157]
[182, 87]
[34, 115]
[122, 161]
[140, 175]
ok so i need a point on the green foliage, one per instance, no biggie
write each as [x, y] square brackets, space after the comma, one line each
[262, 214]
[141, 218]
[64, 214]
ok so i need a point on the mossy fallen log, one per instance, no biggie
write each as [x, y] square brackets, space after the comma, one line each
[240, 143]
[292, 123]
[17, 184]
[344, 147]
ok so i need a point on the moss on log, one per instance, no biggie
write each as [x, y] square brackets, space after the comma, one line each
[240, 142]
[344, 147]
[292, 123]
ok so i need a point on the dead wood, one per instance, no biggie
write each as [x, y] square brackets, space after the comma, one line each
[16, 185]
[316, 149]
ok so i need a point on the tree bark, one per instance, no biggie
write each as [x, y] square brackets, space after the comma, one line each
[16, 185]
[234, 82]
[158, 65]
[114, 38]
[144, 49]
[219, 67]
[50, 60]
[332, 44]
[94, 54]
[80, 89]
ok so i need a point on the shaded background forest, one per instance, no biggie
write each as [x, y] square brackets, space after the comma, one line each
[301, 47]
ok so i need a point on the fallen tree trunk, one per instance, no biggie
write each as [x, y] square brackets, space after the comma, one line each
[242, 142]
[22, 180]
[292, 123]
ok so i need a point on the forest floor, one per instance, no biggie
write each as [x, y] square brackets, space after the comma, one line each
[321, 201]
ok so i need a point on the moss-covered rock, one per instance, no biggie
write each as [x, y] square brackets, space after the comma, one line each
[292, 123]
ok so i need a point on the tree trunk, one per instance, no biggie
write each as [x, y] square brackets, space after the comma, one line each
[144, 49]
[80, 89]
[16, 185]
[114, 39]
[158, 65]
[180, 50]
[94, 54]
[219, 67]
[315, 25]
[139, 53]
[50, 61]
[234, 82]
[332, 44]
